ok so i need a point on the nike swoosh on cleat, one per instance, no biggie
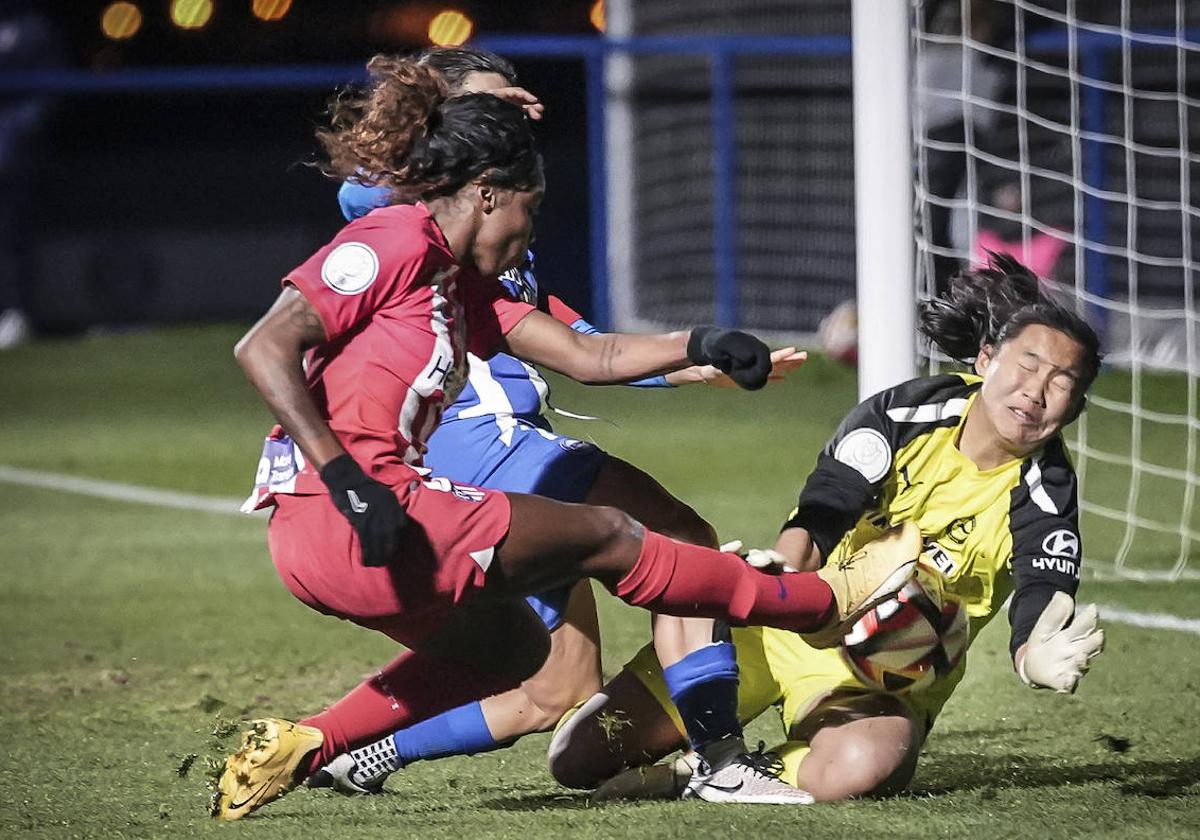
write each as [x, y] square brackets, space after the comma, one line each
[725, 788]
[254, 795]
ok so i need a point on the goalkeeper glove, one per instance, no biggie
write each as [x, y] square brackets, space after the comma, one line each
[372, 509]
[764, 559]
[1057, 655]
[745, 359]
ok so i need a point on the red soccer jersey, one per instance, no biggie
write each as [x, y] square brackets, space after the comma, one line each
[400, 314]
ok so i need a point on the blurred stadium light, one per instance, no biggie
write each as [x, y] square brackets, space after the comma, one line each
[121, 20]
[450, 28]
[191, 14]
[270, 9]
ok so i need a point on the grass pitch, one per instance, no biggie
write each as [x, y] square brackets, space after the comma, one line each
[132, 633]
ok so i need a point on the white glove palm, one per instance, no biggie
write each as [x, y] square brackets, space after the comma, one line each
[764, 559]
[1057, 656]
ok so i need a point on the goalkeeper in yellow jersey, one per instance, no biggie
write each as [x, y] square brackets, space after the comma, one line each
[977, 463]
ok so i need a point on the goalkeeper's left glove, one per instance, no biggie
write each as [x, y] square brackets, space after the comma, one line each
[1057, 655]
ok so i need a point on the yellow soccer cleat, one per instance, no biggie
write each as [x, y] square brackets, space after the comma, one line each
[874, 573]
[264, 769]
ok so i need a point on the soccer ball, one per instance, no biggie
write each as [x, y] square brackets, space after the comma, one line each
[837, 333]
[910, 641]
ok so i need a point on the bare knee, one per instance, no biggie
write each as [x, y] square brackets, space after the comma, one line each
[875, 757]
[617, 543]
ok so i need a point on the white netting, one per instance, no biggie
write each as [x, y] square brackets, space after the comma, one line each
[1064, 132]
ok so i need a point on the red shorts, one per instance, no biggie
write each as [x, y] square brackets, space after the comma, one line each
[445, 553]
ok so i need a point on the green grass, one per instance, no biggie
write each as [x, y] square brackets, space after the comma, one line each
[131, 632]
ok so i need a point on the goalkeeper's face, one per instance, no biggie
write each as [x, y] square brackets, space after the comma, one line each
[1031, 387]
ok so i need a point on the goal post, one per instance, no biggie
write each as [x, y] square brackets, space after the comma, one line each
[885, 289]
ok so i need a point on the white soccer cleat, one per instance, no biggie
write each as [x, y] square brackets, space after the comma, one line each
[747, 778]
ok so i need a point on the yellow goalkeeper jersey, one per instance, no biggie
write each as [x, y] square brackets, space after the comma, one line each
[895, 458]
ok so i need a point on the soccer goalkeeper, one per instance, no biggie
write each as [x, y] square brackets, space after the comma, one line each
[977, 463]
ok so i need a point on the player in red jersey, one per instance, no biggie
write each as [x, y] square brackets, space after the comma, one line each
[365, 345]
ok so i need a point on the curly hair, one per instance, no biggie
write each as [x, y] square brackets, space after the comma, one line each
[408, 134]
[990, 305]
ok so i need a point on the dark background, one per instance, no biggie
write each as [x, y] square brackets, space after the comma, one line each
[190, 206]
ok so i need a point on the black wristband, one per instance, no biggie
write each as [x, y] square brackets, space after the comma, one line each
[695, 345]
[343, 471]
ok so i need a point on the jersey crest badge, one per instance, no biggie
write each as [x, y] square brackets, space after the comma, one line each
[866, 451]
[350, 268]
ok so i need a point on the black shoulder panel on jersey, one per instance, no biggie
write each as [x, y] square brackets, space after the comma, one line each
[833, 498]
[857, 460]
[1047, 548]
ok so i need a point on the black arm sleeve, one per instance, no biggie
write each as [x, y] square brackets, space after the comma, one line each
[1047, 549]
[833, 498]
[858, 460]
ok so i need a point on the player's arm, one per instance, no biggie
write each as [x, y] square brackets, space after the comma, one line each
[783, 360]
[799, 549]
[564, 313]
[610, 358]
[271, 354]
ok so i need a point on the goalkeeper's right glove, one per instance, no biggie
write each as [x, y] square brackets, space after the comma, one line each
[764, 559]
[745, 359]
[1056, 655]
[372, 509]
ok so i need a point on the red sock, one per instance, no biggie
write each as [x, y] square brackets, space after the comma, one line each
[413, 687]
[689, 580]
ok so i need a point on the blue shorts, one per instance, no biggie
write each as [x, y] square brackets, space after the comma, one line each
[525, 458]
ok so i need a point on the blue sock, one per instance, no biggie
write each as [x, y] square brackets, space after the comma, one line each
[461, 731]
[704, 687]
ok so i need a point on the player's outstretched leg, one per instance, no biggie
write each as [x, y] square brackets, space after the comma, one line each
[570, 675]
[550, 543]
[698, 659]
[476, 651]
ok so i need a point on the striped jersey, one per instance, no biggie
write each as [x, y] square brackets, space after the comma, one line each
[503, 387]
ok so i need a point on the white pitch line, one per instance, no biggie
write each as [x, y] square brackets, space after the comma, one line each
[117, 491]
[187, 501]
[1153, 621]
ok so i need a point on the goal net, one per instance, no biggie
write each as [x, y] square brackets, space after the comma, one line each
[1067, 133]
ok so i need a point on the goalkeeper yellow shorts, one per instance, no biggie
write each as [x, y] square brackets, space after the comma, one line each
[778, 669]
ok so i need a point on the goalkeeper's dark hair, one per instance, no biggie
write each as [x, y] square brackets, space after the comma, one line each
[990, 305]
[456, 63]
[413, 137]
